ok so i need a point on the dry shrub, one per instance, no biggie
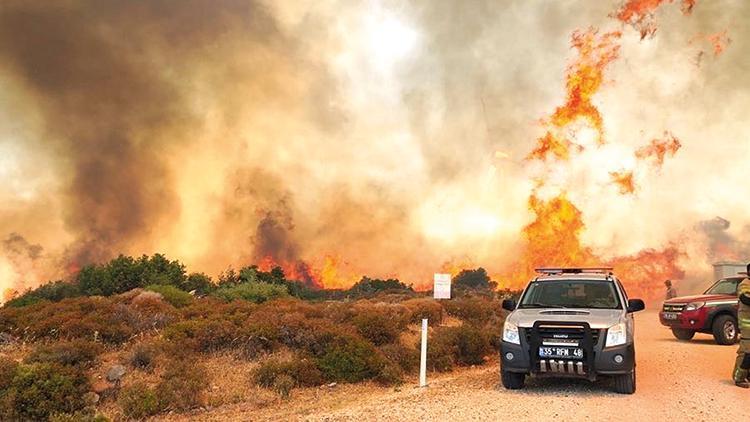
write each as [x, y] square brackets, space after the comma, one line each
[40, 390]
[83, 317]
[348, 358]
[424, 308]
[138, 401]
[464, 345]
[182, 385]
[380, 323]
[474, 310]
[406, 358]
[301, 370]
[81, 353]
[143, 356]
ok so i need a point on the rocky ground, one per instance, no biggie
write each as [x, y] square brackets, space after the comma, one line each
[676, 381]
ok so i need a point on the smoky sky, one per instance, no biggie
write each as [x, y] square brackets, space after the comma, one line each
[107, 77]
[388, 134]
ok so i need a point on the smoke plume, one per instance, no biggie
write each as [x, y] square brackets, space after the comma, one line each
[382, 138]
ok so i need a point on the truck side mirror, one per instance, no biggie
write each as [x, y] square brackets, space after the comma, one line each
[635, 305]
[509, 305]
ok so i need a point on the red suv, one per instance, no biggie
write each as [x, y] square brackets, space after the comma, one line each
[713, 312]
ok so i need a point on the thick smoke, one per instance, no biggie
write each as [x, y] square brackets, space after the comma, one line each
[722, 245]
[387, 135]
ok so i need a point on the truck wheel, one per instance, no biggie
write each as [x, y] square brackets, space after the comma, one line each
[512, 380]
[725, 330]
[683, 334]
[625, 384]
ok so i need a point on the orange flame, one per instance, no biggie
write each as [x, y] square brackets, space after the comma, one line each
[624, 181]
[328, 274]
[455, 266]
[719, 41]
[585, 76]
[658, 149]
[640, 14]
[553, 239]
[296, 270]
[9, 294]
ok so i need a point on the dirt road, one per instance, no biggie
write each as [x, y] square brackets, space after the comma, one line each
[676, 381]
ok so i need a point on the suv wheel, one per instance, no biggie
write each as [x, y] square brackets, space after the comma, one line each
[512, 380]
[725, 330]
[683, 334]
[625, 384]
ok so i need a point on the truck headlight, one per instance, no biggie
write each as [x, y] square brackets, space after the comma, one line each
[692, 306]
[510, 333]
[617, 335]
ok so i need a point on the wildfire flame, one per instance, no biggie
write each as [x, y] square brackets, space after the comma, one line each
[640, 14]
[584, 78]
[624, 180]
[659, 148]
[719, 41]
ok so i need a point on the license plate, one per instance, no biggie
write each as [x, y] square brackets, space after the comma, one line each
[670, 315]
[561, 352]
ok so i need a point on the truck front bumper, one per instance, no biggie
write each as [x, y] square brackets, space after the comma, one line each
[609, 361]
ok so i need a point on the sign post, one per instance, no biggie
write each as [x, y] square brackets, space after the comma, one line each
[423, 356]
[442, 287]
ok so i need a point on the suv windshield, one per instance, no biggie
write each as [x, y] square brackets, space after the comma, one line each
[571, 294]
[725, 286]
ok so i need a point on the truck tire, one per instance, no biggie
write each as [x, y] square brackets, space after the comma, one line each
[625, 384]
[725, 330]
[683, 334]
[512, 380]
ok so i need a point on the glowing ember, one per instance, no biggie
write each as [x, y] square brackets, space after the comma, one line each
[624, 181]
[658, 149]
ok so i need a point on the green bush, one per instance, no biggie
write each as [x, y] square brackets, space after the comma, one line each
[53, 291]
[182, 385]
[171, 294]
[254, 292]
[40, 390]
[80, 353]
[198, 282]
[138, 401]
[369, 286]
[301, 370]
[350, 359]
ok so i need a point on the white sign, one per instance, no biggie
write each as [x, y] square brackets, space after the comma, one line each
[442, 288]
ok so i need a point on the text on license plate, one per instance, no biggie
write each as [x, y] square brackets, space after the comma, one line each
[670, 315]
[560, 352]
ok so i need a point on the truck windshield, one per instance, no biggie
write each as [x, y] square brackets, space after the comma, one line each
[571, 294]
[725, 286]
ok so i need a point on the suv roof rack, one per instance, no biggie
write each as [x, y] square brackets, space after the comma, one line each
[576, 270]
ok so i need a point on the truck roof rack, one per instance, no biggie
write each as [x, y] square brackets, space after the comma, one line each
[576, 270]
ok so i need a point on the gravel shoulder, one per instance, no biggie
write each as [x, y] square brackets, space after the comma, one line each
[676, 381]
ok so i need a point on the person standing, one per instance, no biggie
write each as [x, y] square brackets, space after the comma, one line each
[671, 292]
[742, 363]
